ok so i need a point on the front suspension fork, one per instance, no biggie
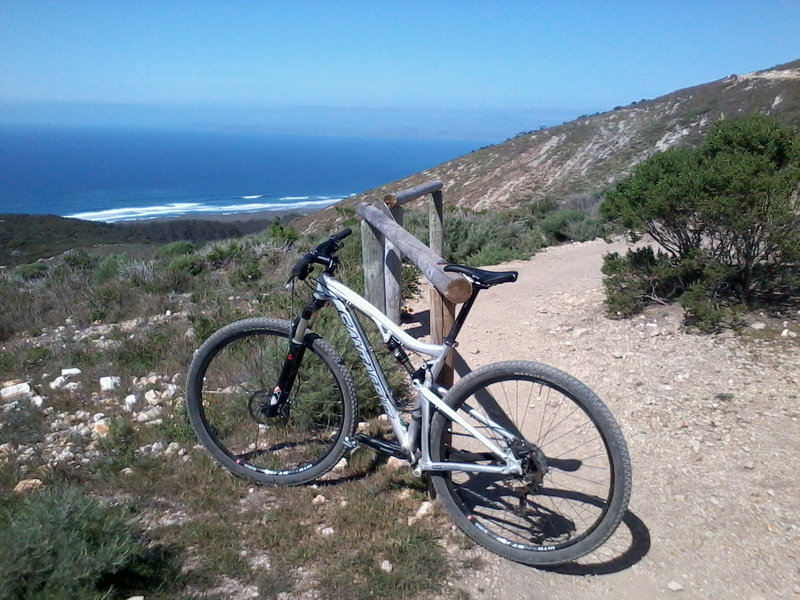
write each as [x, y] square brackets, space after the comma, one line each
[291, 363]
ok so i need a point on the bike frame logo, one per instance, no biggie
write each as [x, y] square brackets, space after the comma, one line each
[369, 360]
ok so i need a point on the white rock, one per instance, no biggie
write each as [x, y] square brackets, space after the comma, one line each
[100, 428]
[16, 390]
[169, 392]
[319, 500]
[129, 403]
[27, 485]
[387, 566]
[149, 415]
[394, 463]
[38, 401]
[758, 325]
[70, 372]
[152, 397]
[58, 383]
[675, 586]
[325, 530]
[425, 509]
[108, 384]
[74, 386]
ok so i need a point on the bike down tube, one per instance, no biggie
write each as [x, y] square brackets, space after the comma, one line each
[374, 372]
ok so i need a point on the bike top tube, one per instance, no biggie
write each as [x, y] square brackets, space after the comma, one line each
[331, 286]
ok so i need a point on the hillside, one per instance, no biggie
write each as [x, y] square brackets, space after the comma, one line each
[586, 155]
[27, 238]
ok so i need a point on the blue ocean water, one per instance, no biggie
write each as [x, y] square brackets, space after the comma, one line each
[108, 174]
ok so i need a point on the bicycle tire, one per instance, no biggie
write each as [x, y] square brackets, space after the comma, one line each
[234, 372]
[578, 471]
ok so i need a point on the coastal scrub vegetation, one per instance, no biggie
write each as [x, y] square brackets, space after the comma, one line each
[725, 217]
[188, 526]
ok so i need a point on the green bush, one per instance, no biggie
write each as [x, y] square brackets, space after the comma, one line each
[280, 233]
[60, 544]
[726, 216]
[109, 267]
[175, 249]
[569, 225]
[32, 271]
[186, 264]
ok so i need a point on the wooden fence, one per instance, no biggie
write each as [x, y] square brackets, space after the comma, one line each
[385, 242]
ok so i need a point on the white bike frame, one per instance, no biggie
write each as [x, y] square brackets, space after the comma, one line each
[429, 393]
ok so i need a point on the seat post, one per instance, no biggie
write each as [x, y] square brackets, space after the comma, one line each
[450, 338]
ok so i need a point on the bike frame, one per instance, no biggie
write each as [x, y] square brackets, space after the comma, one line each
[413, 437]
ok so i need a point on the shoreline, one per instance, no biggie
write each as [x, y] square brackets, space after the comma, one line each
[259, 215]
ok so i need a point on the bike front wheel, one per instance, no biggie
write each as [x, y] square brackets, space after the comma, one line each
[231, 380]
[576, 478]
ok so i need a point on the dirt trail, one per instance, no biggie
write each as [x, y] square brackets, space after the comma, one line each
[712, 424]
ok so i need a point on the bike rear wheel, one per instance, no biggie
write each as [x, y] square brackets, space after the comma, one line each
[231, 379]
[577, 472]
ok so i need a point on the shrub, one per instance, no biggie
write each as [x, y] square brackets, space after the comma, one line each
[109, 267]
[60, 544]
[32, 271]
[175, 249]
[186, 264]
[569, 225]
[282, 234]
[726, 216]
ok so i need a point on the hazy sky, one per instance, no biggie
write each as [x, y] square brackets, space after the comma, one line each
[559, 55]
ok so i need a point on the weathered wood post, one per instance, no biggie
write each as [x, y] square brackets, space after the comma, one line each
[372, 250]
[382, 228]
[443, 311]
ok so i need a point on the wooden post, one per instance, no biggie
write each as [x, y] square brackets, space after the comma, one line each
[384, 221]
[393, 272]
[372, 248]
[443, 312]
[454, 287]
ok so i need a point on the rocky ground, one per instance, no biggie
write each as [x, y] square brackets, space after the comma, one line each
[712, 424]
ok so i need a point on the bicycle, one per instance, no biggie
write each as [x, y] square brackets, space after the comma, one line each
[527, 460]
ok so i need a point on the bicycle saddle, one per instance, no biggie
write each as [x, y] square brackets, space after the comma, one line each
[481, 277]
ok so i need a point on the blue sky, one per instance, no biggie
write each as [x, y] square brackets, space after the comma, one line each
[238, 60]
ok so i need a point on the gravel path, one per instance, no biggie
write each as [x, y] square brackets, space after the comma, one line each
[712, 424]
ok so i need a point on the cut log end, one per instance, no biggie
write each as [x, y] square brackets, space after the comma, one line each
[458, 290]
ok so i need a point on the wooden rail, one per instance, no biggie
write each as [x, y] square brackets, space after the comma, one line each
[385, 241]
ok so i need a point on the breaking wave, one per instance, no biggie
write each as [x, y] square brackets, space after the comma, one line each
[190, 209]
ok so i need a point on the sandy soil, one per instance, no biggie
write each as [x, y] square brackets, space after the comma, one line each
[712, 427]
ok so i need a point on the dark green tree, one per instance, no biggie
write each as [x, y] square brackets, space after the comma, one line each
[726, 214]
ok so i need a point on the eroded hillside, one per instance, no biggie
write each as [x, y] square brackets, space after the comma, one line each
[586, 155]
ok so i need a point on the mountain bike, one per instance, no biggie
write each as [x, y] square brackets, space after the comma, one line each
[526, 459]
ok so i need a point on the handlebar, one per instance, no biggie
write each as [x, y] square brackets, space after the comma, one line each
[324, 254]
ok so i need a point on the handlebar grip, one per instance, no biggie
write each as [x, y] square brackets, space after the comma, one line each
[302, 267]
[339, 236]
[322, 255]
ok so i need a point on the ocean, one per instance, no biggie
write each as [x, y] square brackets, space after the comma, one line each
[114, 174]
